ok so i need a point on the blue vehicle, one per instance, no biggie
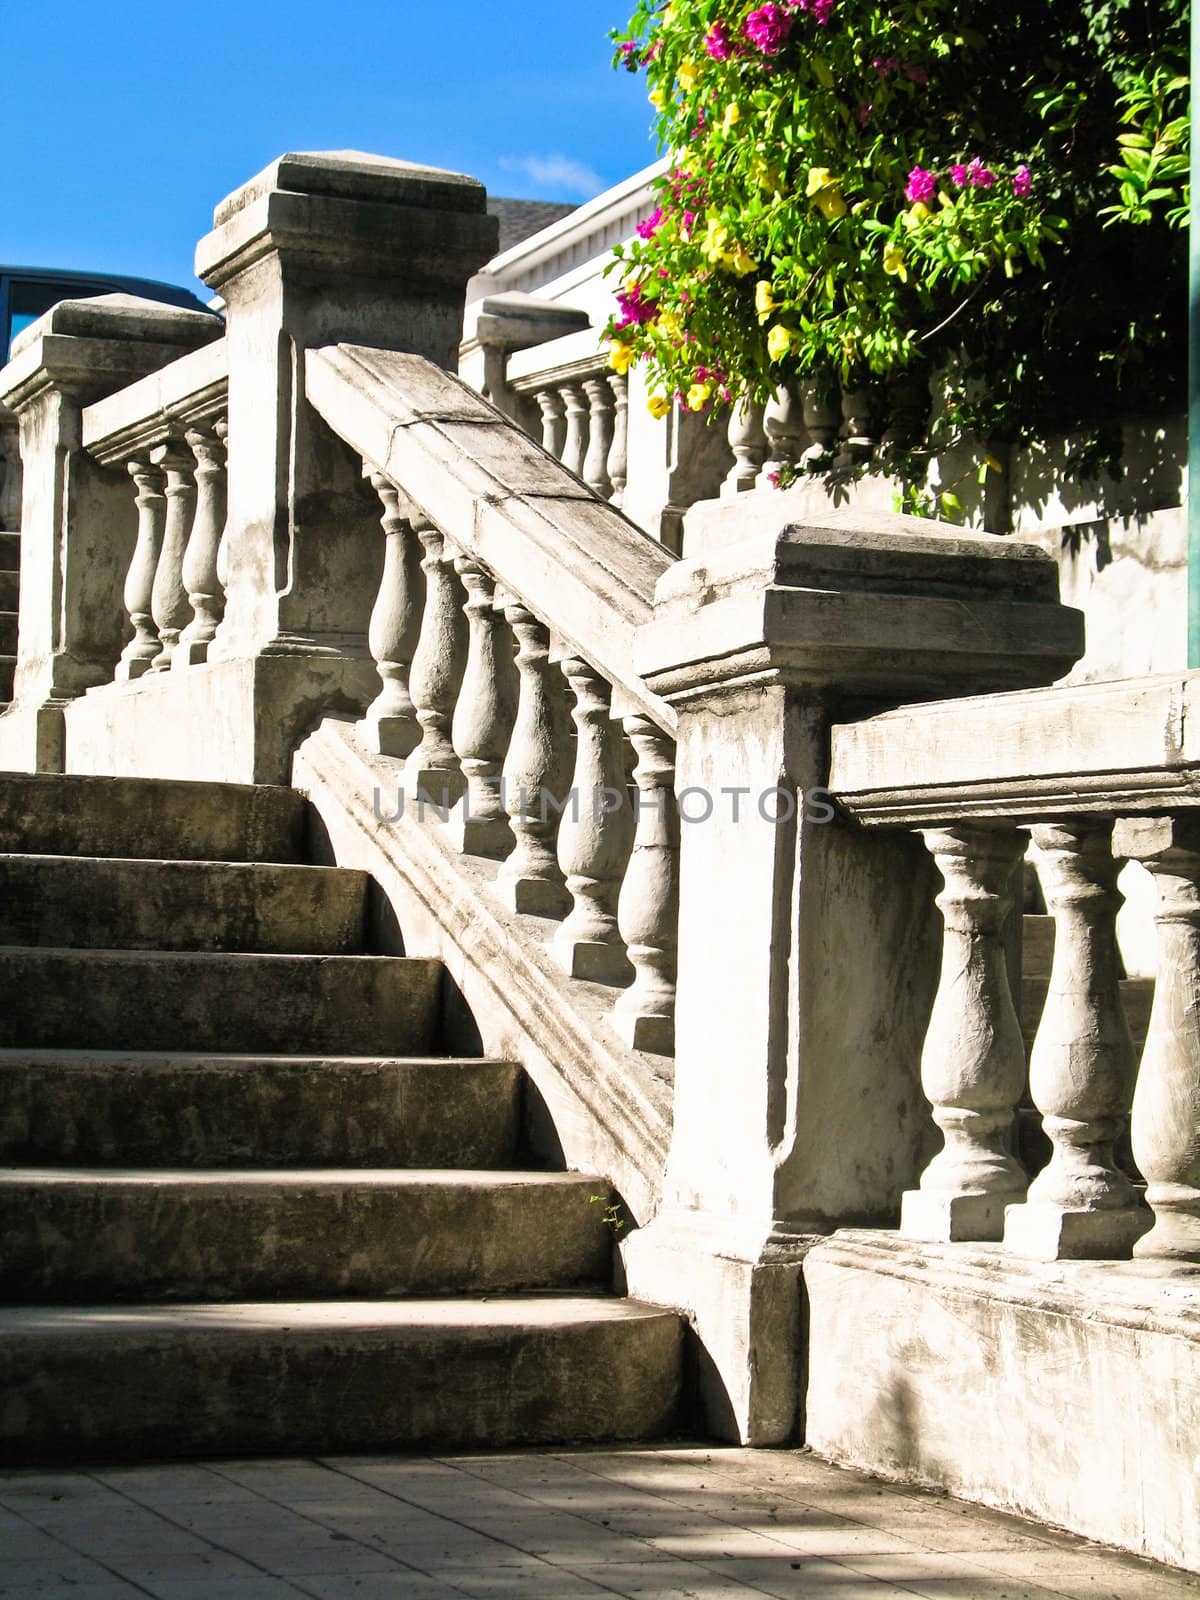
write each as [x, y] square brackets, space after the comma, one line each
[25, 292]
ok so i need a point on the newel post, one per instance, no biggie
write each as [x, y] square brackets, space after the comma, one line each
[78, 520]
[808, 948]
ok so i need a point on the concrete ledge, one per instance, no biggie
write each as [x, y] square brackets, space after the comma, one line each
[1065, 1391]
[1127, 746]
[609, 1107]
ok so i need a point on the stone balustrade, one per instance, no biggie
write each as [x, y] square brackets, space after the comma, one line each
[481, 683]
[168, 432]
[1091, 777]
[578, 408]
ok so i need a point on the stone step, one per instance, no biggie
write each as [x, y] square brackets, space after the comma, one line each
[10, 553]
[8, 668]
[8, 633]
[94, 1109]
[191, 1381]
[105, 903]
[161, 819]
[1037, 945]
[83, 1235]
[228, 1004]
[1137, 996]
[10, 583]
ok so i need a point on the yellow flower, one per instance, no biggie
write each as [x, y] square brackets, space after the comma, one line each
[733, 115]
[669, 323]
[825, 194]
[715, 239]
[739, 260]
[764, 300]
[658, 405]
[698, 396]
[915, 215]
[765, 175]
[779, 341]
[620, 356]
[689, 71]
[657, 98]
[893, 262]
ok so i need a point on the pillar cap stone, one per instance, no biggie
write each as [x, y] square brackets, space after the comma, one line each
[517, 321]
[349, 212]
[859, 605]
[93, 347]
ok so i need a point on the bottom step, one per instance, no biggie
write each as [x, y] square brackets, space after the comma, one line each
[155, 1382]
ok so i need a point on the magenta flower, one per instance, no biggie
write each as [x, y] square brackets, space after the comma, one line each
[915, 74]
[1022, 182]
[635, 308]
[886, 65]
[630, 58]
[718, 44]
[768, 28]
[922, 185]
[979, 176]
[821, 11]
[958, 175]
[650, 225]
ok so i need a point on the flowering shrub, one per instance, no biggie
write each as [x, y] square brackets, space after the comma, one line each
[861, 187]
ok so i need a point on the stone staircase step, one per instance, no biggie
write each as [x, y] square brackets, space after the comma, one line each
[104, 903]
[239, 1004]
[8, 633]
[81, 1235]
[9, 588]
[95, 1109]
[191, 1381]
[10, 553]
[1137, 996]
[160, 819]
[8, 668]
[1037, 945]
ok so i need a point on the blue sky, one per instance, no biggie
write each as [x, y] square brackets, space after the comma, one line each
[121, 126]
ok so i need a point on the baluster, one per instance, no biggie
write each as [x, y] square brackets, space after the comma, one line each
[483, 719]
[437, 668]
[1166, 1102]
[554, 422]
[1082, 1069]
[205, 592]
[973, 1063]
[783, 421]
[748, 441]
[821, 419]
[169, 601]
[138, 655]
[648, 908]
[908, 404]
[537, 775]
[575, 443]
[618, 455]
[600, 436]
[594, 837]
[10, 482]
[858, 428]
[221, 429]
[390, 726]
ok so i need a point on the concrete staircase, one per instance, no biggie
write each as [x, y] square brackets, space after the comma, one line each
[10, 564]
[251, 1199]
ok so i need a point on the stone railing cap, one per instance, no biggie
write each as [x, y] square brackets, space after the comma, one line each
[126, 317]
[354, 175]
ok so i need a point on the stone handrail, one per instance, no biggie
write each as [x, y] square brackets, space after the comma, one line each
[1096, 776]
[168, 431]
[511, 545]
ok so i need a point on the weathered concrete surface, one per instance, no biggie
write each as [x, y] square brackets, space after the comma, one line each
[88, 1108]
[1066, 1391]
[77, 518]
[229, 721]
[314, 1377]
[606, 1109]
[136, 818]
[78, 1235]
[86, 902]
[168, 1000]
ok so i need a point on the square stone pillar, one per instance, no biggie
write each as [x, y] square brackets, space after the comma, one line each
[77, 519]
[808, 950]
[322, 248]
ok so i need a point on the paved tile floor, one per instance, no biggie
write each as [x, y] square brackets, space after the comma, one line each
[671, 1524]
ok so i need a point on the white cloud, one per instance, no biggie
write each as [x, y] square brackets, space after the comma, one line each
[556, 176]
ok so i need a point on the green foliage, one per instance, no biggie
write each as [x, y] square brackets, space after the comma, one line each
[865, 187]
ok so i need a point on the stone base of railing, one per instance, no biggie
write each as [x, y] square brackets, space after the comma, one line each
[33, 738]
[1066, 1391]
[1050, 1233]
[228, 721]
